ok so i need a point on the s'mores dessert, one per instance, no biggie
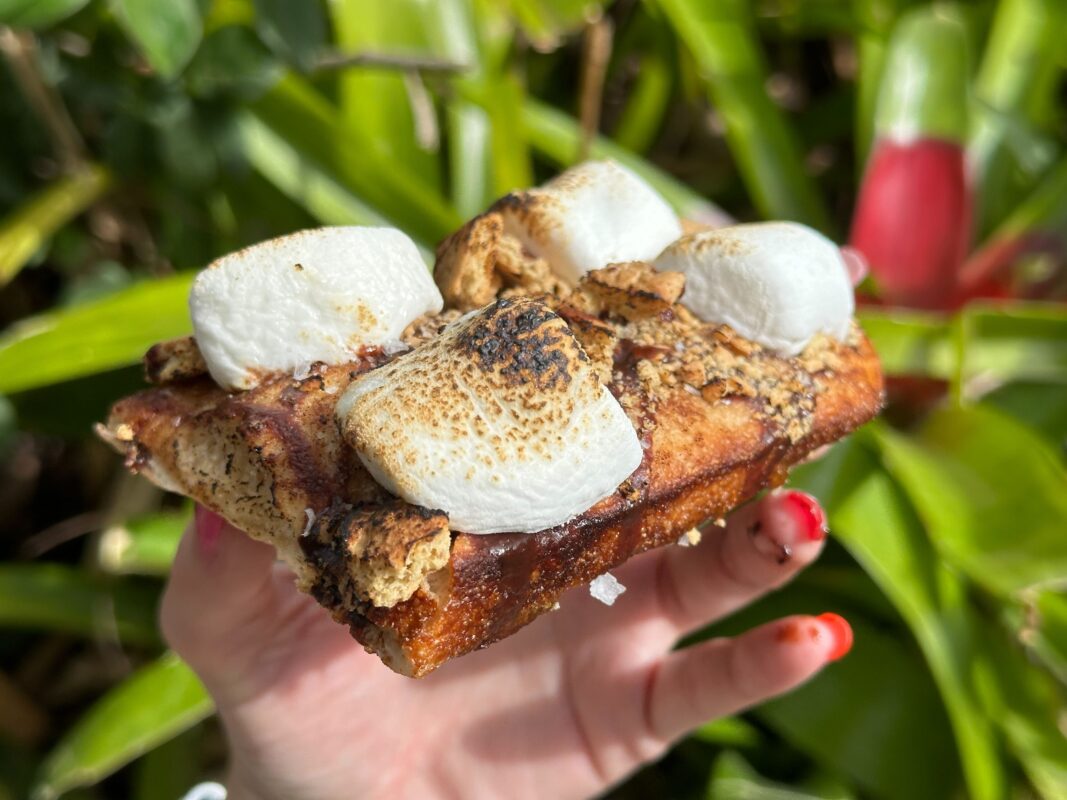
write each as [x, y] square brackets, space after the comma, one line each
[439, 456]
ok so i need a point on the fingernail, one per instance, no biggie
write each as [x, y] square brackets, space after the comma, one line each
[208, 531]
[767, 544]
[840, 634]
[808, 514]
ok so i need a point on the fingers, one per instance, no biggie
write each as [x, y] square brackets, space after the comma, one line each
[762, 547]
[724, 676]
[220, 581]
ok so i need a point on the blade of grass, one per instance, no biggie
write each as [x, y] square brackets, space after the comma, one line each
[555, 135]
[26, 229]
[55, 597]
[94, 337]
[152, 706]
[721, 37]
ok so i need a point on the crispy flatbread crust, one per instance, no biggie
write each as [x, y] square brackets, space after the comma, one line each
[719, 419]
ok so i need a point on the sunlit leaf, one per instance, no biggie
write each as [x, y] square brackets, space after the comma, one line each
[145, 545]
[37, 13]
[722, 38]
[379, 111]
[167, 33]
[60, 598]
[26, 229]
[94, 337]
[153, 705]
[1023, 341]
[991, 493]
[302, 117]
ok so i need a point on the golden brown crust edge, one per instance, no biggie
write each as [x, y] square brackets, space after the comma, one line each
[705, 460]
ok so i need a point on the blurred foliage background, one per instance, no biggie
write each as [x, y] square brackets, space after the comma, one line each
[143, 138]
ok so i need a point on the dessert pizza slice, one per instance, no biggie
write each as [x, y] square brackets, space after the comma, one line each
[438, 468]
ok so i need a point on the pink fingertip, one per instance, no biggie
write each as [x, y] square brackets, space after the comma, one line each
[208, 531]
[840, 634]
[856, 264]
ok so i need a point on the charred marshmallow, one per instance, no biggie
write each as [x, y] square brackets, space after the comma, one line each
[500, 422]
[776, 283]
[592, 215]
[315, 295]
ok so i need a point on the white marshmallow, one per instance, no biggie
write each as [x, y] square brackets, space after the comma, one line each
[776, 283]
[592, 215]
[500, 422]
[315, 295]
[606, 588]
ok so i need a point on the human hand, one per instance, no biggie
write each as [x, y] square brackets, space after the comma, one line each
[564, 708]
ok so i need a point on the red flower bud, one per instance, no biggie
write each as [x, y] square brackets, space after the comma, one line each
[913, 220]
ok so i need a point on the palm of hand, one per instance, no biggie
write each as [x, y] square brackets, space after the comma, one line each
[564, 708]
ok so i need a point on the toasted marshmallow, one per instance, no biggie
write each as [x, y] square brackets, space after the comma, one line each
[592, 215]
[315, 295]
[500, 422]
[776, 283]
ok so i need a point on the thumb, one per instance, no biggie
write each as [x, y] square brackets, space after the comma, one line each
[219, 596]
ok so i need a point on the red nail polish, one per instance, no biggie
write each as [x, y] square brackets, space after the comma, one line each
[840, 634]
[808, 514]
[208, 530]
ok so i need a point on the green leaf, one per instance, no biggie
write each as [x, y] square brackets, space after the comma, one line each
[167, 33]
[152, 706]
[647, 104]
[1028, 707]
[871, 516]
[453, 29]
[547, 22]
[377, 104]
[170, 769]
[924, 90]
[991, 493]
[1048, 637]
[733, 778]
[722, 38]
[36, 14]
[97, 336]
[1016, 88]
[303, 118]
[294, 31]
[60, 598]
[302, 180]
[26, 229]
[555, 135]
[1020, 341]
[232, 61]
[728, 732]
[876, 19]
[142, 546]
